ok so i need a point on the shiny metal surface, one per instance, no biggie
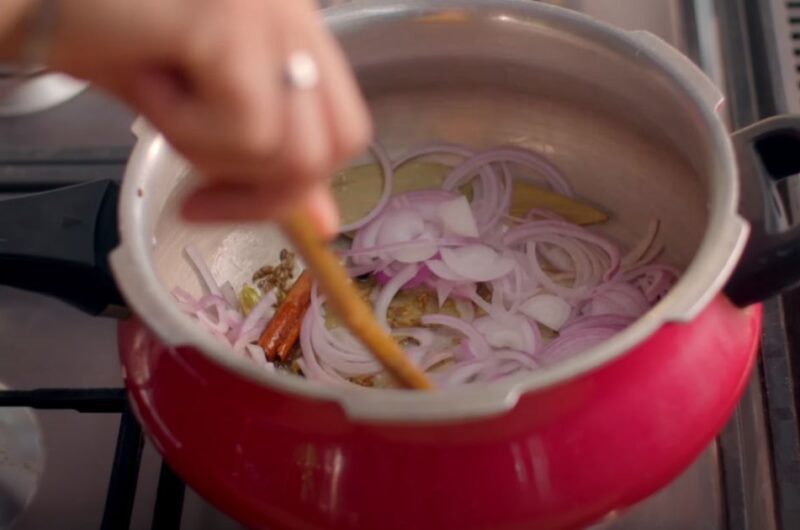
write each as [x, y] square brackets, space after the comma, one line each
[82, 445]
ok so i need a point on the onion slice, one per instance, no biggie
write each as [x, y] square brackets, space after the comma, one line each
[476, 341]
[456, 216]
[547, 309]
[476, 262]
[388, 177]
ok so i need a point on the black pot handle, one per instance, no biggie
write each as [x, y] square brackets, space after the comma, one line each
[57, 243]
[768, 152]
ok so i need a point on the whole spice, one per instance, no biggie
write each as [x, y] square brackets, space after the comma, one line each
[277, 277]
[283, 330]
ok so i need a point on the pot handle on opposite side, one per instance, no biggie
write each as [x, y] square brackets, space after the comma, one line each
[767, 152]
[57, 243]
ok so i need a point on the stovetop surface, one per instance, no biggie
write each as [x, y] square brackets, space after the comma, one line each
[46, 344]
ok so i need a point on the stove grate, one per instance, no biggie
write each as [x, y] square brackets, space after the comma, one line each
[127, 456]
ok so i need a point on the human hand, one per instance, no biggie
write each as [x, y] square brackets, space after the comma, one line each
[211, 75]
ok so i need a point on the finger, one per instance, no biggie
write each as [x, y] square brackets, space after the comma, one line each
[218, 105]
[238, 203]
[306, 150]
[346, 112]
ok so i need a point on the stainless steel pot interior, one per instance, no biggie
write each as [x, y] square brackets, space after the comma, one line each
[628, 121]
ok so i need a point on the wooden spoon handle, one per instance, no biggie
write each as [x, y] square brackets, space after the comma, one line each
[348, 305]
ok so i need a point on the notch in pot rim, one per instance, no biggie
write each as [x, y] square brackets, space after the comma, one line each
[710, 268]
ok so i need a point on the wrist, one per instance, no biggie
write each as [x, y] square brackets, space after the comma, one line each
[16, 21]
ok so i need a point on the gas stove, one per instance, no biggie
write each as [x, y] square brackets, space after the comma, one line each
[80, 461]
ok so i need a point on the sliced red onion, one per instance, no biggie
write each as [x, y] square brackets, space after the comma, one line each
[213, 311]
[366, 238]
[640, 249]
[388, 176]
[568, 346]
[440, 269]
[511, 333]
[456, 216]
[333, 357]
[256, 353]
[431, 359]
[262, 312]
[201, 267]
[407, 226]
[342, 339]
[390, 291]
[424, 202]
[558, 258]
[509, 154]
[517, 357]
[493, 311]
[229, 293]
[571, 294]
[657, 279]
[344, 356]
[345, 345]
[586, 323]
[311, 367]
[476, 341]
[535, 229]
[650, 256]
[504, 202]
[421, 278]
[264, 309]
[443, 290]
[617, 298]
[479, 263]
[547, 309]
[463, 373]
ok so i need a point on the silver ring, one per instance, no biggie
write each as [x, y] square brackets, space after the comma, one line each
[301, 72]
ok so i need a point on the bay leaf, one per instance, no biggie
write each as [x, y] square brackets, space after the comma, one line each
[526, 197]
[358, 189]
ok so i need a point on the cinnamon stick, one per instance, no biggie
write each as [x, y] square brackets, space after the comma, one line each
[283, 329]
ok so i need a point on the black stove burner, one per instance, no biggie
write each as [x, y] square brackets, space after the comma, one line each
[127, 457]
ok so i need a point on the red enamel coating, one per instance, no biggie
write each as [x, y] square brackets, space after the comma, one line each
[561, 458]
